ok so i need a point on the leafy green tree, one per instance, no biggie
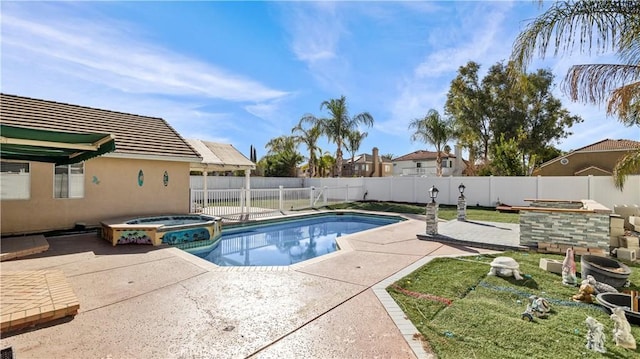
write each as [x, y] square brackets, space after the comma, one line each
[506, 159]
[354, 140]
[338, 125]
[466, 105]
[595, 27]
[435, 130]
[310, 138]
[282, 157]
[529, 114]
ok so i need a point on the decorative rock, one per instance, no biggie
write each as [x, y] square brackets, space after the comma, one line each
[595, 336]
[569, 269]
[622, 330]
[505, 267]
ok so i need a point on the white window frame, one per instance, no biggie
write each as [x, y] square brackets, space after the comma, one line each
[74, 181]
[16, 185]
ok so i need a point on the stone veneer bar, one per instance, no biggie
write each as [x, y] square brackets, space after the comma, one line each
[566, 223]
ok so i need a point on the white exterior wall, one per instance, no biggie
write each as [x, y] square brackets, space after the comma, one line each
[427, 168]
[483, 191]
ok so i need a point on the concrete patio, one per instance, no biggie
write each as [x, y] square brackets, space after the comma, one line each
[138, 301]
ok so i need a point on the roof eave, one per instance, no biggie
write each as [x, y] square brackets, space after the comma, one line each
[138, 156]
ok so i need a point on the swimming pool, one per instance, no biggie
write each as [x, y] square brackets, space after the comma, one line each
[289, 241]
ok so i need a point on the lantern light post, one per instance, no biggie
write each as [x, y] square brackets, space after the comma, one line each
[432, 213]
[462, 204]
[433, 193]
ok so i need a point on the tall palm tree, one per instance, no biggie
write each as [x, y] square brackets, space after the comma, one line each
[310, 138]
[435, 130]
[338, 126]
[598, 27]
[354, 140]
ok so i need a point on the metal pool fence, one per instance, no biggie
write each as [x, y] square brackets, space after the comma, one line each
[243, 204]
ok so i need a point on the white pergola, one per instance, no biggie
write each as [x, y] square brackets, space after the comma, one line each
[221, 157]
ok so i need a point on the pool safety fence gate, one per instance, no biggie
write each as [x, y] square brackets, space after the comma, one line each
[243, 204]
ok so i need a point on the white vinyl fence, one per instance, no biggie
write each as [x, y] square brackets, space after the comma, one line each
[240, 204]
[483, 191]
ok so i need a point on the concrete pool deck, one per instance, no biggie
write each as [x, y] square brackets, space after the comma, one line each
[140, 301]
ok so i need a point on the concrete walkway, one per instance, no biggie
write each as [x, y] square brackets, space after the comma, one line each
[140, 301]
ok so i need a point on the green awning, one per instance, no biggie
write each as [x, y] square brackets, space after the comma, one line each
[19, 143]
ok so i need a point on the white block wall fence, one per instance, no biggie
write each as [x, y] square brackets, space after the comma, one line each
[482, 191]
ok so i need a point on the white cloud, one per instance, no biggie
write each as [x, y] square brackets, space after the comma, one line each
[108, 54]
[485, 40]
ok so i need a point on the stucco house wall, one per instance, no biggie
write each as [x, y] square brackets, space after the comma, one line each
[110, 190]
[143, 145]
[598, 159]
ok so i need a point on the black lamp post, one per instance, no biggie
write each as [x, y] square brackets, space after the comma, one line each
[461, 188]
[433, 193]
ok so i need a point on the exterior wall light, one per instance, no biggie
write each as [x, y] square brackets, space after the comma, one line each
[461, 188]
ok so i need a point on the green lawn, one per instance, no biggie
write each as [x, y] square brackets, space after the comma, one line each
[484, 319]
[444, 212]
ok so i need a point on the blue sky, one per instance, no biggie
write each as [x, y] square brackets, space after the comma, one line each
[246, 72]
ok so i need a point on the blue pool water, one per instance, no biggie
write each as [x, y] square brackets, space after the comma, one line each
[287, 242]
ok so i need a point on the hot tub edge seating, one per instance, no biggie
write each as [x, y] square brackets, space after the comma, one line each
[158, 230]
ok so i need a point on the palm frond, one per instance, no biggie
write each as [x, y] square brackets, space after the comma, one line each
[594, 82]
[624, 102]
[627, 165]
[591, 26]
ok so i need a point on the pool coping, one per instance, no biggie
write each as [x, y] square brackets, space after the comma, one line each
[343, 245]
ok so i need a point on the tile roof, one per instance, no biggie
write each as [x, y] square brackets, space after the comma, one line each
[222, 156]
[610, 145]
[422, 155]
[367, 158]
[135, 135]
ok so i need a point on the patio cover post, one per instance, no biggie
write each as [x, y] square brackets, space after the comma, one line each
[205, 201]
[247, 185]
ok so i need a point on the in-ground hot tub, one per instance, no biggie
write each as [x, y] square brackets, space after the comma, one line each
[183, 230]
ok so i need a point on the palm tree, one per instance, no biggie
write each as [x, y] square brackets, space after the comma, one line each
[598, 26]
[354, 140]
[310, 138]
[338, 126]
[282, 157]
[325, 163]
[435, 130]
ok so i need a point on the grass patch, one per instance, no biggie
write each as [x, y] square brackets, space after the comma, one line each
[484, 319]
[445, 212]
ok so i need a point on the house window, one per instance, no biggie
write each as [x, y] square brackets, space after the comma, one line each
[69, 181]
[15, 180]
[418, 164]
[387, 168]
[366, 167]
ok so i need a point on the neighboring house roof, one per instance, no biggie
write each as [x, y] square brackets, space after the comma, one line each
[422, 155]
[367, 158]
[219, 156]
[600, 146]
[610, 145]
[135, 136]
